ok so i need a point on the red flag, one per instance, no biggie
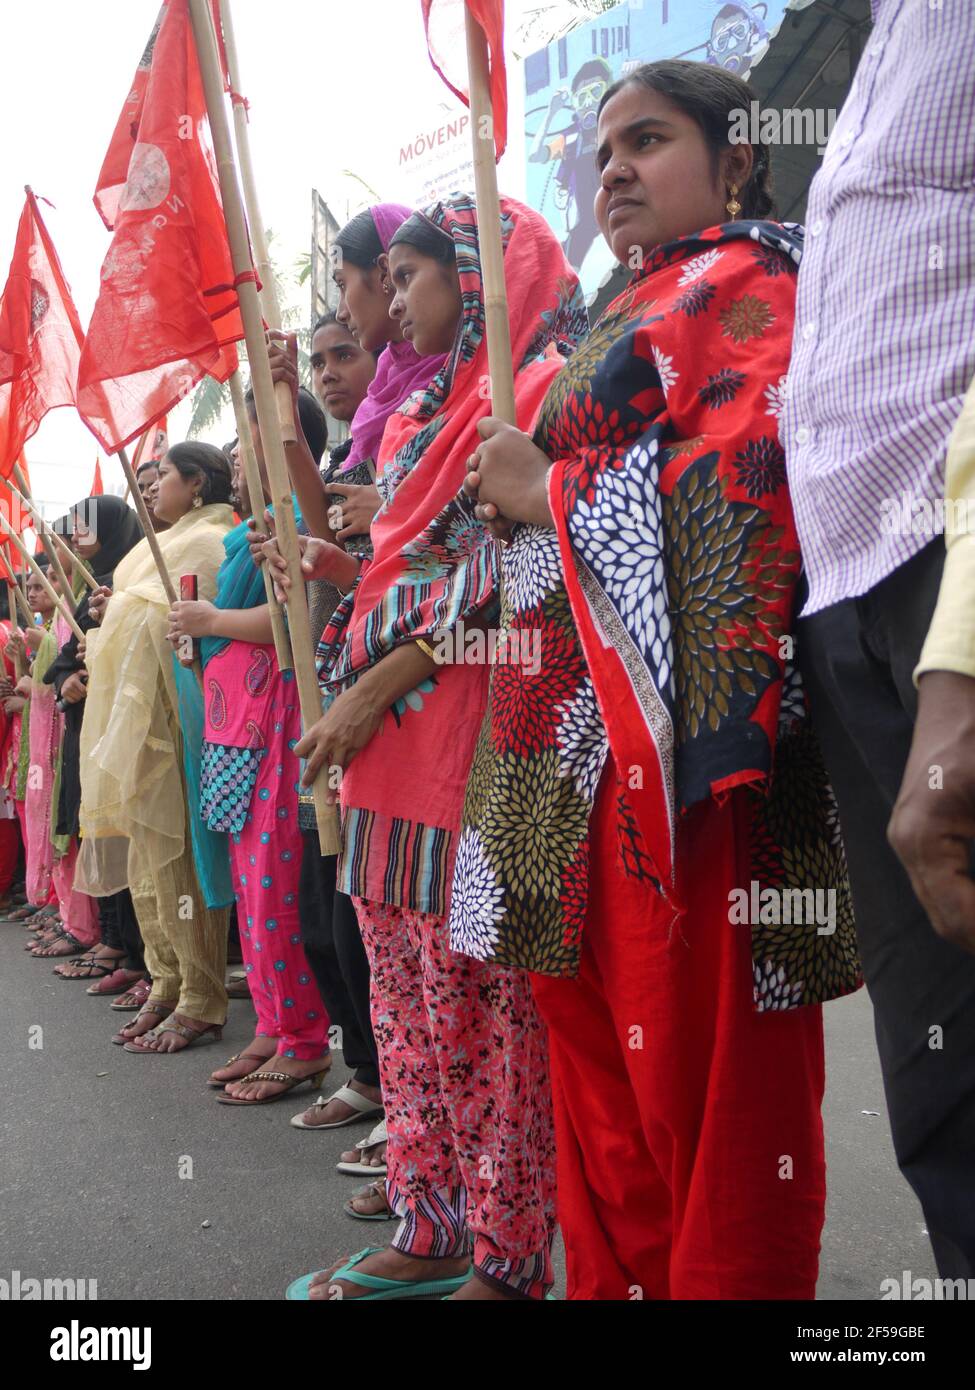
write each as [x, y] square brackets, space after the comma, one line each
[447, 46]
[96, 483]
[40, 337]
[115, 166]
[167, 312]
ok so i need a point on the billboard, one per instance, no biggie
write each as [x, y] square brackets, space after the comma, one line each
[565, 81]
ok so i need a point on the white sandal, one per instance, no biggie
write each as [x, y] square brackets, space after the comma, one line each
[365, 1109]
[377, 1136]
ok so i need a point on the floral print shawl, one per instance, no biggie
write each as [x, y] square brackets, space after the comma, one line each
[664, 601]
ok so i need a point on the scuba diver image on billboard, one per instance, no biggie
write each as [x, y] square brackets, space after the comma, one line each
[739, 37]
[571, 149]
[566, 80]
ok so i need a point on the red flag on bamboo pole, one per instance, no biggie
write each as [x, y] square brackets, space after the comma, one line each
[167, 312]
[40, 337]
[443, 21]
[97, 487]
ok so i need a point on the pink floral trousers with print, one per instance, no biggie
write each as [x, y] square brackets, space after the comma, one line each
[463, 1059]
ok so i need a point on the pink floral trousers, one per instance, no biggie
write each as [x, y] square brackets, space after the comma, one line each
[463, 1061]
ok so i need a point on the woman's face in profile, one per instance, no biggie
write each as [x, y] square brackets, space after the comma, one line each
[657, 175]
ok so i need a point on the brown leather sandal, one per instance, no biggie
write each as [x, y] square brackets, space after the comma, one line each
[237, 1057]
[149, 1010]
[192, 1036]
[290, 1083]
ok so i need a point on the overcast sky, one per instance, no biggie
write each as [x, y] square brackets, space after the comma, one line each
[333, 86]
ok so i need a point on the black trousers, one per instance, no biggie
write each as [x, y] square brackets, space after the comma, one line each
[857, 659]
[333, 944]
[120, 928]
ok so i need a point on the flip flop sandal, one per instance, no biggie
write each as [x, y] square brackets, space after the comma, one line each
[159, 1011]
[237, 1057]
[118, 982]
[192, 1036]
[381, 1288]
[370, 1190]
[374, 1138]
[365, 1109]
[134, 998]
[104, 965]
[290, 1083]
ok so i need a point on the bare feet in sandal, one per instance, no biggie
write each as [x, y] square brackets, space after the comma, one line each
[289, 1066]
[254, 1055]
[337, 1110]
[65, 945]
[96, 962]
[152, 1013]
[369, 1156]
[384, 1264]
[370, 1202]
[171, 1034]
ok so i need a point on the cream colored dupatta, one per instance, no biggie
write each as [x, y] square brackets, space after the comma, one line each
[133, 813]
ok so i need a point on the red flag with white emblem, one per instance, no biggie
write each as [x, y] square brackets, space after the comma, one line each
[167, 311]
[40, 337]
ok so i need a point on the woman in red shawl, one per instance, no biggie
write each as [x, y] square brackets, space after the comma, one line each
[648, 827]
[462, 1054]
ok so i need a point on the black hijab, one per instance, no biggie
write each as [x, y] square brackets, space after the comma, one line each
[115, 525]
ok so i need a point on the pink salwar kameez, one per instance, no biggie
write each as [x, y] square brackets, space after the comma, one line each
[249, 782]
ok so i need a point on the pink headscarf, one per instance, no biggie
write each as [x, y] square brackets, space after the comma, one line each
[400, 370]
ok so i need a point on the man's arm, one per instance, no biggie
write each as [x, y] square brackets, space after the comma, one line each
[933, 824]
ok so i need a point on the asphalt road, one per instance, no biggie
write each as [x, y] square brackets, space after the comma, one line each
[94, 1140]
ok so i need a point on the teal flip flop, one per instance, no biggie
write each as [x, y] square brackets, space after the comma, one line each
[382, 1288]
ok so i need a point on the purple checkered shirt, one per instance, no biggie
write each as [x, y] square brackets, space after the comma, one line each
[884, 346]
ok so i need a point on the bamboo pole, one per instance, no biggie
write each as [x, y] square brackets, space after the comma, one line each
[265, 271]
[137, 461]
[142, 512]
[264, 400]
[49, 548]
[12, 609]
[43, 528]
[48, 587]
[20, 599]
[497, 330]
[255, 490]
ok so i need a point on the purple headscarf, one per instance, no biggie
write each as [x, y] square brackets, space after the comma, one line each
[399, 372]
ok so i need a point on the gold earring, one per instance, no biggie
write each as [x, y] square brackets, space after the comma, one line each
[733, 207]
[387, 287]
[197, 501]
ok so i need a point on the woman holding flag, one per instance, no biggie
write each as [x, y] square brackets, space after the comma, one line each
[136, 815]
[618, 807]
[249, 778]
[462, 1054]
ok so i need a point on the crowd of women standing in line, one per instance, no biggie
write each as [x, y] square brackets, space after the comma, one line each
[524, 941]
